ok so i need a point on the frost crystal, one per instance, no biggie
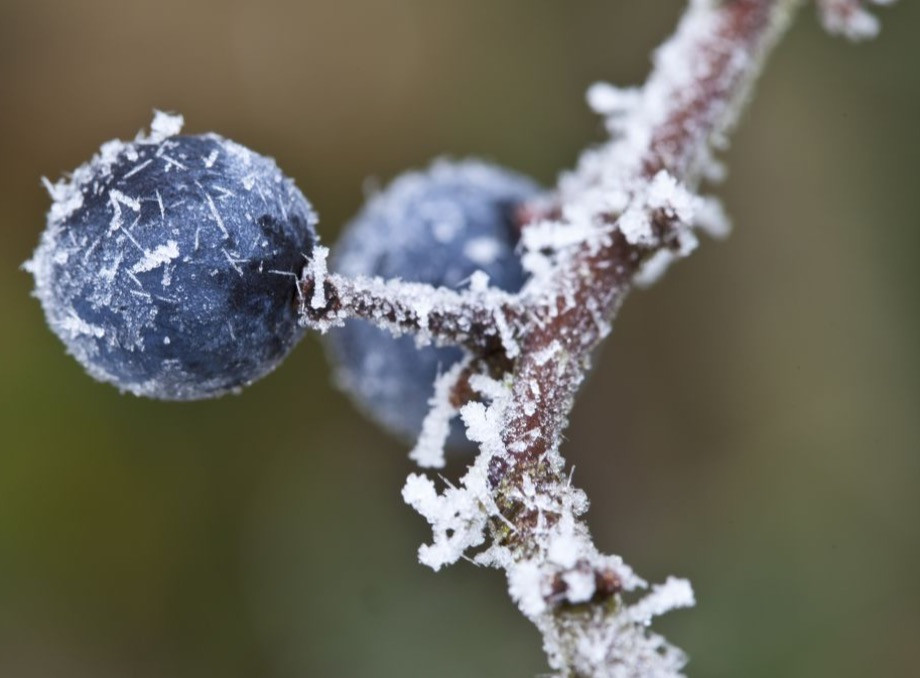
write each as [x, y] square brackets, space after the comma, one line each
[850, 18]
[317, 269]
[164, 125]
[456, 519]
[429, 449]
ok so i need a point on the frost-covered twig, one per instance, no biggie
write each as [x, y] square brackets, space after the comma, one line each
[474, 318]
[628, 210]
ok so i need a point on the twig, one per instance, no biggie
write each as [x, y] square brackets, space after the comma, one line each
[439, 316]
[626, 211]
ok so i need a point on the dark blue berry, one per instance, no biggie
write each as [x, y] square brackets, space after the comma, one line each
[437, 227]
[168, 265]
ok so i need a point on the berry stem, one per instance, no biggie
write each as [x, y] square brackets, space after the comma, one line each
[434, 315]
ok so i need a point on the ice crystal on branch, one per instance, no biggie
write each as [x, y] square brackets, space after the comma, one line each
[850, 18]
[429, 448]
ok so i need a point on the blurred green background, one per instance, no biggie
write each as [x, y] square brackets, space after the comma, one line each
[753, 424]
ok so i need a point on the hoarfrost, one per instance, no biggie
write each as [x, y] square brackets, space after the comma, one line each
[674, 594]
[76, 326]
[429, 449]
[216, 215]
[117, 199]
[654, 267]
[711, 218]
[636, 225]
[317, 269]
[164, 125]
[479, 282]
[609, 100]
[850, 18]
[525, 581]
[162, 254]
[457, 520]
[666, 194]
[580, 587]
[65, 199]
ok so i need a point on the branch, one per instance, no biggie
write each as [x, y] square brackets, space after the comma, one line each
[619, 219]
[624, 204]
[476, 319]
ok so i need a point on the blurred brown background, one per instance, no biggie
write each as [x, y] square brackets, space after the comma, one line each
[753, 423]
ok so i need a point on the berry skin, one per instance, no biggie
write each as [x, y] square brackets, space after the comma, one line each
[438, 227]
[168, 265]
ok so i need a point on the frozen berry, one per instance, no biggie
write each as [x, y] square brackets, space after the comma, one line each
[168, 265]
[437, 227]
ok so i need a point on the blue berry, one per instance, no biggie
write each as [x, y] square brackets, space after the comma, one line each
[437, 227]
[168, 266]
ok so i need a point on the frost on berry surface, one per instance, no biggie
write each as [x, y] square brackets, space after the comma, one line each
[441, 227]
[168, 266]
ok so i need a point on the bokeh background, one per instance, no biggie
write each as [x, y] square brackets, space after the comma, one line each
[753, 423]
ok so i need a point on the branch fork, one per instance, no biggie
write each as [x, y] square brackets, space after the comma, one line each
[627, 211]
